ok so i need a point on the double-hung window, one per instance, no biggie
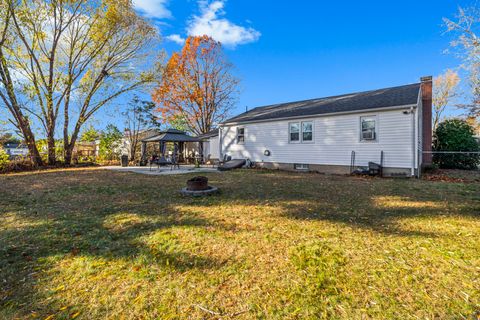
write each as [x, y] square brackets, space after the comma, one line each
[300, 132]
[294, 129]
[240, 135]
[368, 128]
[307, 131]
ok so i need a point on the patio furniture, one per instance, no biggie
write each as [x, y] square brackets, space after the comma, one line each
[232, 164]
[225, 159]
[174, 161]
[210, 161]
[159, 162]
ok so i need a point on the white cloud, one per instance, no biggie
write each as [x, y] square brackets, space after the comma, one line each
[176, 38]
[153, 8]
[212, 23]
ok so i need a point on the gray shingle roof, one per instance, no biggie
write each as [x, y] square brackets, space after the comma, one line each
[171, 135]
[211, 133]
[368, 100]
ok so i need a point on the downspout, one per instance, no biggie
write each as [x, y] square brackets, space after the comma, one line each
[220, 156]
[414, 152]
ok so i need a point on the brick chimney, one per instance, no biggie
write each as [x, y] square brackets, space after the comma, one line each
[427, 118]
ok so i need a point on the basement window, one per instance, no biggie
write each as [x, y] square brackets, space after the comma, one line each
[240, 135]
[301, 166]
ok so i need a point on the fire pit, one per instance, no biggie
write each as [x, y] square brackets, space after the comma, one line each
[197, 187]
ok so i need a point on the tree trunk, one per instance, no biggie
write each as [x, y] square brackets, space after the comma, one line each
[52, 159]
[133, 150]
[69, 146]
[68, 155]
[32, 146]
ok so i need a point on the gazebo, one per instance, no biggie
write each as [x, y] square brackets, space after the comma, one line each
[177, 137]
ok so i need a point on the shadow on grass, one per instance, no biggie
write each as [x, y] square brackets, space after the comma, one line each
[53, 235]
[378, 205]
[108, 215]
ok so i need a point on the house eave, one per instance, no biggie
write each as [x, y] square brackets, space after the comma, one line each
[321, 115]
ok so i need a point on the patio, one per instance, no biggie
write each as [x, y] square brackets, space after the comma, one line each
[154, 171]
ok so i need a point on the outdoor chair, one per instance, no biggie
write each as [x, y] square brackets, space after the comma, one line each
[210, 161]
[160, 162]
[174, 162]
[225, 159]
[152, 161]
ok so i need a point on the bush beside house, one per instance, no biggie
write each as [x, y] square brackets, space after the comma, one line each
[456, 135]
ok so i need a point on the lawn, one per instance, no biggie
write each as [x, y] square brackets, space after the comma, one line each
[91, 244]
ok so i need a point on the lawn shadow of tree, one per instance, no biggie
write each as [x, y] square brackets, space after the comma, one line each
[74, 234]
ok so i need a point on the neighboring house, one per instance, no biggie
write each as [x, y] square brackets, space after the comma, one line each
[209, 144]
[15, 150]
[322, 134]
[123, 146]
[84, 149]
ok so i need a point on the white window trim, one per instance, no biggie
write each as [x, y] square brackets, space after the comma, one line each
[313, 132]
[236, 137]
[300, 133]
[377, 134]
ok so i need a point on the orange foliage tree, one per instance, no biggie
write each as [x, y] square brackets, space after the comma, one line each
[197, 85]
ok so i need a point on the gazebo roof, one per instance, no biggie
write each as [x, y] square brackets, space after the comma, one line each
[171, 135]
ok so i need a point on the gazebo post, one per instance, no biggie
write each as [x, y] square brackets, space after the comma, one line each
[200, 149]
[162, 148]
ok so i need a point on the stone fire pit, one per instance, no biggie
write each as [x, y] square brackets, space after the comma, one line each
[198, 187]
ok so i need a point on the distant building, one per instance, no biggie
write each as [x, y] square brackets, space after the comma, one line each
[16, 150]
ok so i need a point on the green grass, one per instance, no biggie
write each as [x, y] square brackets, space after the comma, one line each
[91, 244]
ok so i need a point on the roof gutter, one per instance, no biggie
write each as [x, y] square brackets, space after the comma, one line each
[409, 106]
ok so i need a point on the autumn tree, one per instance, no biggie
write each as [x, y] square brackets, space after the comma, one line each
[139, 116]
[197, 85]
[444, 91]
[64, 60]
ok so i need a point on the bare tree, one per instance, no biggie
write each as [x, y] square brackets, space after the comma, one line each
[73, 58]
[466, 26]
[139, 117]
[444, 91]
[197, 85]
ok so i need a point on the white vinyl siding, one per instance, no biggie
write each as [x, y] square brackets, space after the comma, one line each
[211, 147]
[334, 138]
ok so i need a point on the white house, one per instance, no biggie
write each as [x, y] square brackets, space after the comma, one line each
[209, 144]
[337, 133]
[15, 150]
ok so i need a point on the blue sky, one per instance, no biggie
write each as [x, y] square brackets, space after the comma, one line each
[287, 51]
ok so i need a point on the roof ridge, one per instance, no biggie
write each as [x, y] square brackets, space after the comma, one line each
[330, 97]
